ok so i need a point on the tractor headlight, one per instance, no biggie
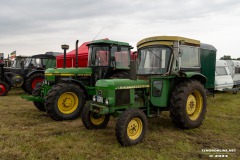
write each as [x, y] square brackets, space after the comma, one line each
[106, 101]
[94, 98]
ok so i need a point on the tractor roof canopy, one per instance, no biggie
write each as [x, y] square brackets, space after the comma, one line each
[110, 42]
[43, 56]
[166, 40]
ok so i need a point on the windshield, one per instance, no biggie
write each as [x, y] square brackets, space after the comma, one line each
[28, 60]
[15, 64]
[99, 56]
[221, 71]
[33, 62]
[121, 56]
[154, 60]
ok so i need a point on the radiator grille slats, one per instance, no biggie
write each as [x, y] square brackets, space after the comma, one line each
[122, 97]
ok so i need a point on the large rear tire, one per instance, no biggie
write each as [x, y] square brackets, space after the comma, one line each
[131, 127]
[37, 92]
[188, 104]
[32, 81]
[93, 120]
[65, 101]
[4, 88]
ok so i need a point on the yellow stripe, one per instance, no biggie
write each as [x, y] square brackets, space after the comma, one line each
[66, 74]
[130, 87]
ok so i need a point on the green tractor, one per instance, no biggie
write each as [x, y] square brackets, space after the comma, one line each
[65, 90]
[171, 74]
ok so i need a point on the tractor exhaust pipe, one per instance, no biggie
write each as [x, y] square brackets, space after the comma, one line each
[77, 54]
[65, 48]
[133, 70]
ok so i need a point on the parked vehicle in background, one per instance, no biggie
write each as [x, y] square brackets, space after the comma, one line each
[234, 67]
[26, 72]
[223, 77]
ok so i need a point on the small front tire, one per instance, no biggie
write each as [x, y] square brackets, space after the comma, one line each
[93, 120]
[131, 127]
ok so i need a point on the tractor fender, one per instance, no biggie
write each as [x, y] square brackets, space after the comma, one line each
[34, 71]
[70, 80]
[194, 75]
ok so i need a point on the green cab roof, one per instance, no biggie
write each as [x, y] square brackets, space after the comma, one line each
[110, 42]
[166, 40]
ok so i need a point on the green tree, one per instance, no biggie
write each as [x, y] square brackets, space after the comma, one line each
[226, 57]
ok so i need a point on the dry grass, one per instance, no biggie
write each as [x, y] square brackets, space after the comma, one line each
[27, 133]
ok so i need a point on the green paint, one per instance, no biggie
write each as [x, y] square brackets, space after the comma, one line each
[159, 68]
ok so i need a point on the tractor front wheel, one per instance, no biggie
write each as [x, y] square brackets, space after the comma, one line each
[37, 92]
[188, 104]
[65, 101]
[4, 88]
[131, 127]
[92, 120]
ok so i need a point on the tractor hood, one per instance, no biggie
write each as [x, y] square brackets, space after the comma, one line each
[118, 84]
[68, 72]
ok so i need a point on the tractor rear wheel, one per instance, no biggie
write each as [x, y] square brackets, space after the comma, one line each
[37, 92]
[188, 104]
[131, 127]
[65, 101]
[4, 88]
[32, 81]
[93, 120]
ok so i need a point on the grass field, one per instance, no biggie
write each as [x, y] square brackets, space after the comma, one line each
[27, 133]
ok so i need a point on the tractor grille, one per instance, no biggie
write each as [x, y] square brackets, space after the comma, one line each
[122, 97]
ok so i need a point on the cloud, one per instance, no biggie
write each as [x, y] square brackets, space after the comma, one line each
[39, 26]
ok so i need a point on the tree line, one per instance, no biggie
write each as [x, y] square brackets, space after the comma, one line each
[228, 57]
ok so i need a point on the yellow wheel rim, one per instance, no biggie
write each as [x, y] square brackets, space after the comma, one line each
[97, 119]
[68, 102]
[134, 128]
[194, 105]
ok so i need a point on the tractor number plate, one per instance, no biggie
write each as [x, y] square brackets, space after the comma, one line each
[99, 99]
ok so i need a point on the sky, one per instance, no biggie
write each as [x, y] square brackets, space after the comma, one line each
[34, 27]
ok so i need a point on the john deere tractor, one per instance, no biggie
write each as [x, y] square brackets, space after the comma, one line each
[65, 90]
[171, 74]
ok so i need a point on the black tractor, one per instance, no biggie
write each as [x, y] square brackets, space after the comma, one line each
[25, 72]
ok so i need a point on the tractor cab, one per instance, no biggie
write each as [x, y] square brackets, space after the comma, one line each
[40, 62]
[108, 58]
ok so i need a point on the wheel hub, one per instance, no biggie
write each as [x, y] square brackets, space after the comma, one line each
[97, 119]
[67, 102]
[191, 104]
[134, 128]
